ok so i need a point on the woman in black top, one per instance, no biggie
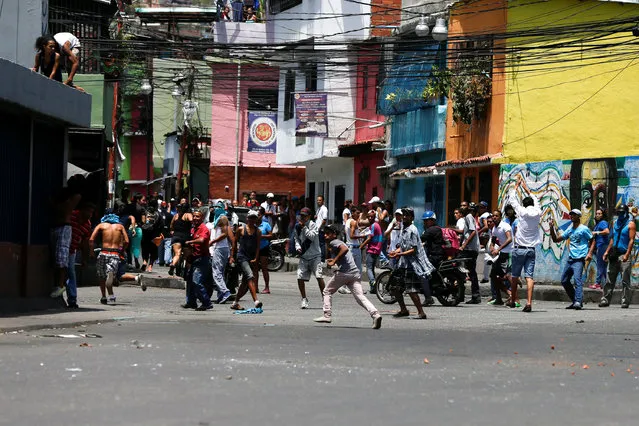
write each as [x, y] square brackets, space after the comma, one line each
[47, 60]
[151, 229]
[181, 233]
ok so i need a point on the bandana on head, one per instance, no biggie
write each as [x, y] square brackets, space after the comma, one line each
[110, 218]
[218, 212]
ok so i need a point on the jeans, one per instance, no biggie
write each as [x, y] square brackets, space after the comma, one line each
[574, 268]
[357, 256]
[196, 282]
[371, 261]
[322, 244]
[165, 254]
[218, 263]
[72, 284]
[614, 268]
[471, 265]
[354, 285]
[601, 265]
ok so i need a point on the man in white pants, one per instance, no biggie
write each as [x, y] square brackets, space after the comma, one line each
[348, 274]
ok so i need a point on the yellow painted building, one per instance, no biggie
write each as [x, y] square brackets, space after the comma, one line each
[572, 85]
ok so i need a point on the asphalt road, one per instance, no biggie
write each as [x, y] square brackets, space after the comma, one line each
[470, 364]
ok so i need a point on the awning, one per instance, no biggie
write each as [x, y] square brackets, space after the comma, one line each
[417, 172]
[356, 148]
[484, 160]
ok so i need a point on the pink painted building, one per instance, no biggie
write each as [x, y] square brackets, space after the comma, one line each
[258, 172]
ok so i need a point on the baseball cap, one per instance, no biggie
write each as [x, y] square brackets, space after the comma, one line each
[331, 228]
[252, 213]
[305, 211]
[270, 195]
[374, 200]
[622, 208]
[429, 214]
[472, 206]
[399, 211]
[408, 211]
[575, 211]
[483, 204]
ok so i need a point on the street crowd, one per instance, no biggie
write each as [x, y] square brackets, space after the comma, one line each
[202, 243]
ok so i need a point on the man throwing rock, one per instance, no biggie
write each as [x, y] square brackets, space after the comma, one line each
[114, 240]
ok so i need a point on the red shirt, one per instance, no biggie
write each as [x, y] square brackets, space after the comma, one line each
[79, 231]
[201, 250]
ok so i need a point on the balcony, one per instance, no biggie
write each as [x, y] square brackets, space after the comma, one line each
[229, 32]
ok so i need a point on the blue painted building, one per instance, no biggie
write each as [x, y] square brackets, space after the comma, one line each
[417, 129]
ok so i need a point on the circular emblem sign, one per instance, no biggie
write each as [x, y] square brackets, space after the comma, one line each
[263, 131]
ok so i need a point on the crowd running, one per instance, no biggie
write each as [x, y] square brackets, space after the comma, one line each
[222, 247]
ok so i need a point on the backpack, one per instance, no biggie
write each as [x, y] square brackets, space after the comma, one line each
[451, 242]
[151, 219]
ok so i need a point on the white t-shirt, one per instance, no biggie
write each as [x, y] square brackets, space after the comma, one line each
[395, 234]
[527, 234]
[346, 211]
[215, 233]
[62, 38]
[270, 208]
[499, 232]
[322, 215]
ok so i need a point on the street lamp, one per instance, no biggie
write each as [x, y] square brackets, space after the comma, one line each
[145, 87]
[440, 32]
[422, 30]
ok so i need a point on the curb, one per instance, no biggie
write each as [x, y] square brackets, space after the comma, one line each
[70, 324]
[164, 282]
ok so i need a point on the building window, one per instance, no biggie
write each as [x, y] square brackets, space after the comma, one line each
[289, 92]
[262, 99]
[365, 88]
[310, 71]
[277, 6]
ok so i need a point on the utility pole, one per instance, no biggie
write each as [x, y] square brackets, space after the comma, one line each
[185, 131]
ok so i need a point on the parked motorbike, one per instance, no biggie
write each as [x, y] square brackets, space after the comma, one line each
[276, 253]
[446, 283]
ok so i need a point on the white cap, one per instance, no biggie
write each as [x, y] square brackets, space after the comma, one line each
[399, 211]
[252, 213]
[270, 195]
[374, 200]
[575, 211]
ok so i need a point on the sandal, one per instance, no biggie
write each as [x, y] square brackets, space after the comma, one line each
[419, 317]
[401, 314]
[266, 291]
[236, 307]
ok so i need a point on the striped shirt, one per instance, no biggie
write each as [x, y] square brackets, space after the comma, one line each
[79, 231]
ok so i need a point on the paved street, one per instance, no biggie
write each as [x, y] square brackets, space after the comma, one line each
[158, 365]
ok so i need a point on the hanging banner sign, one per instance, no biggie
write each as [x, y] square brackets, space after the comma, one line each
[310, 114]
[262, 132]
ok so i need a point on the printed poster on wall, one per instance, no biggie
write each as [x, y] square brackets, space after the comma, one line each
[310, 114]
[262, 132]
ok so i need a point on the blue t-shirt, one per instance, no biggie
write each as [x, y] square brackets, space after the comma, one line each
[601, 240]
[579, 239]
[265, 227]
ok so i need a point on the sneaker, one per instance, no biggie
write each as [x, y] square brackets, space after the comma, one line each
[171, 270]
[484, 281]
[304, 303]
[258, 304]
[188, 306]
[603, 303]
[373, 290]
[225, 297]
[72, 305]
[625, 305]
[474, 301]
[323, 319]
[59, 291]
[377, 322]
[138, 280]
[577, 306]
[495, 302]
[595, 287]
[517, 305]
[429, 301]
[204, 308]
[571, 306]
[103, 300]
[344, 290]
[112, 299]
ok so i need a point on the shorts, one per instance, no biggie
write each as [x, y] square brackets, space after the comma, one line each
[305, 268]
[107, 263]
[501, 266]
[247, 270]
[265, 252]
[178, 239]
[405, 280]
[523, 258]
[60, 242]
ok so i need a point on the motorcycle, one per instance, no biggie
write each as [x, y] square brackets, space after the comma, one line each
[446, 283]
[276, 254]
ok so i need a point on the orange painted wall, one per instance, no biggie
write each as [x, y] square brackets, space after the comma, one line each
[468, 20]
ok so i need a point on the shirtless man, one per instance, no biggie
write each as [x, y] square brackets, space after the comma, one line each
[114, 240]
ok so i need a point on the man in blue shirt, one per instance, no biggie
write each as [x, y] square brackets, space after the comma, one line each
[599, 244]
[618, 253]
[578, 253]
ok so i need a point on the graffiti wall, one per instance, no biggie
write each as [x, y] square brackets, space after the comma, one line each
[560, 186]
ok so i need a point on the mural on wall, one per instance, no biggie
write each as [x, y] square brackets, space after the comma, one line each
[584, 184]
